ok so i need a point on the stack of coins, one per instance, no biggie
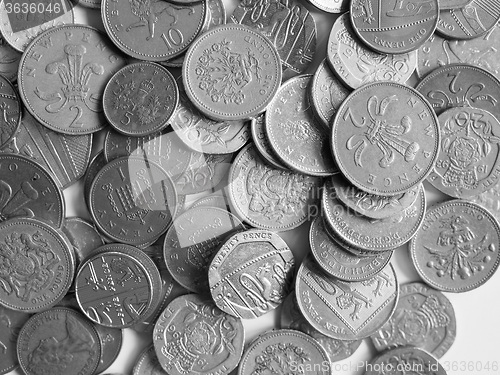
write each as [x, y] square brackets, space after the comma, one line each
[224, 168]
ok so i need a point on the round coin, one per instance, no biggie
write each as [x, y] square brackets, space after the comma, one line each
[96, 164]
[345, 310]
[62, 76]
[456, 249]
[148, 363]
[93, 4]
[153, 30]
[297, 138]
[251, 273]
[192, 241]
[385, 138]
[284, 346]
[405, 358]
[452, 4]
[270, 198]
[111, 343]
[469, 158]
[235, 88]
[132, 200]
[10, 109]
[423, 318]
[58, 341]
[394, 26]
[192, 327]
[28, 190]
[356, 65]
[338, 6]
[259, 137]
[9, 60]
[339, 262]
[461, 85]
[140, 99]
[11, 323]
[83, 237]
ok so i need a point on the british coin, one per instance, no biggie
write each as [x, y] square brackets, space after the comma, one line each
[285, 348]
[148, 363]
[10, 110]
[292, 318]
[95, 165]
[83, 236]
[337, 261]
[261, 141]
[65, 157]
[19, 29]
[338, 6]
[117, 287]
[437, 251]
[385, 138]
[372, 234]
[9, 60]
[356, 65]
[164, 149]
[298, 139]
[204, 172]
[470, 21]
[132, 200]
[192, 241]
[345, 310]
[62, 77]
[140, 99]
[11, 323]
[93, 4]
[190, 321]
[457, 85]
[452, 4]
[153, 30]
[326, 93]
[254, 73]
[370, 205]
[405, 358]
[37, 265]
[111, 343]
[270, 198]
[59, 340]
[469, 158]
[202, 134]
[394, 26]
[214, 200]
[290, 27]
[489, 199]
[424, 318]
[251, 273]
[28, 190]
[483, 52]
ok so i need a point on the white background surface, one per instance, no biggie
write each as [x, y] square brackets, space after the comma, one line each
[478, 312]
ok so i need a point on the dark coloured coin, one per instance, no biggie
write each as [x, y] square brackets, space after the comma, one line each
[58, 341]
[9, 60]
[10, 111]
[83, 236]
[288, 350]
[460, 85]
[111, 344]
[251, 273]
[261, 141]
[385, 138]
[11, 323]
[62, 77]
[28, 190]
[66, 157]
[270, 198]
[371, 205]
[356, 65]
[140, 99]
[339, 262]
[423, 318]
[148, 363]
[299, 140]
[192, 241]
[456, 249]
[470, 21]
[192, 336]
[394, 26]
[153, 30]
[96, 164]
[372, 234]
[414, 359]
[469, 158]
[291, 317]
[93, 4]
[132, 200]
[345, 310]
[231, 72]
[289, 26]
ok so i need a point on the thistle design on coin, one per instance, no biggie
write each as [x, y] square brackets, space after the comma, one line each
[75, 78]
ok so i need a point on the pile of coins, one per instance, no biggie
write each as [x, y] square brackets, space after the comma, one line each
[190, 179]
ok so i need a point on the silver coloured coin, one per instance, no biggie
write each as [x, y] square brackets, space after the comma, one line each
[261, 141]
